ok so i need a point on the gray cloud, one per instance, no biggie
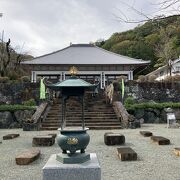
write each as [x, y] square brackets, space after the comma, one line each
[48, 25]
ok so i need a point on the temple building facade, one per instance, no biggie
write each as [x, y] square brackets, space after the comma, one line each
[93, 64]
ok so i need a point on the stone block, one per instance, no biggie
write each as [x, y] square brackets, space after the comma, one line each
[114, 139]
[89, 170]
[146, 133]
[27, 157]
[43, 141]
[160, 140]
[10, 136]
[53, 135]
[177, 151]
[126, 154]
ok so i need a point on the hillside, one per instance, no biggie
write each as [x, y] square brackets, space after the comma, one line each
[10, 61]
[157, 41]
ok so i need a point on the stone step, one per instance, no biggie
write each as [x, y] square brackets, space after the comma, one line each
[86, 110]
[90, 127]
[86, 120]
[51, 116]
[87, 101]
[79, 124]
[86, 113]
[76, 121]
[86, 105]
[97, 115]
[85, 117]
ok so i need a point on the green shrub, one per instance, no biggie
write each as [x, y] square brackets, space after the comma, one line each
[4, 79]
[152, 105]
[13, 108]
[13, 75]
[25, 79]
[129, 101]
[30, 102]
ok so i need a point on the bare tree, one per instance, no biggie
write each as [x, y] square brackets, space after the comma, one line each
[9, 59]
[163, 7]
[4, 55]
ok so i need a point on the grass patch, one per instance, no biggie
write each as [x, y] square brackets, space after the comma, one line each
[17, 107]
[152, 105]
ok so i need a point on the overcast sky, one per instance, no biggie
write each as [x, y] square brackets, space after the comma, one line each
[42, 26]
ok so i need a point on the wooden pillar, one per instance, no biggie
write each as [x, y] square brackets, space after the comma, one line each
[63, 76]
[35, 76]
[102, 80]
[83, 123]
[32, 76]
[131, 75]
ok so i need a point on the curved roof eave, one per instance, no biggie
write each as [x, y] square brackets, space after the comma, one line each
[84, 56]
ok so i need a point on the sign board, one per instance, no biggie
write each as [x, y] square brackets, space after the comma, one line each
[171, 120]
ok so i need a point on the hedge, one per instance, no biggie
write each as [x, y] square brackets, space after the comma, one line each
[152, 105]
[13, 108]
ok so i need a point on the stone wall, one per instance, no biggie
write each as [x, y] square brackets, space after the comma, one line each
[150, 115]
[158, 92]
[16, 93]
[14, 119]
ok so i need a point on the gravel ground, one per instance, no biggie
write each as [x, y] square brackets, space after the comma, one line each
[154, 162]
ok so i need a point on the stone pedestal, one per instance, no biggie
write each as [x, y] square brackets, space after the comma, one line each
[55, 170]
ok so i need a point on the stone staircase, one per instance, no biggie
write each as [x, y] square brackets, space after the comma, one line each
[97, 115]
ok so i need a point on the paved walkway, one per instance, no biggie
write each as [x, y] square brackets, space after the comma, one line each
[154, 162]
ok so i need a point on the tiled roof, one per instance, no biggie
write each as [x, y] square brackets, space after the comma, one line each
[84, 54]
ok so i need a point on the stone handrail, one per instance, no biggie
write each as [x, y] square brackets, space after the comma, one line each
[40, 111]
[109, 92]
[36, 119]
[121, 113]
